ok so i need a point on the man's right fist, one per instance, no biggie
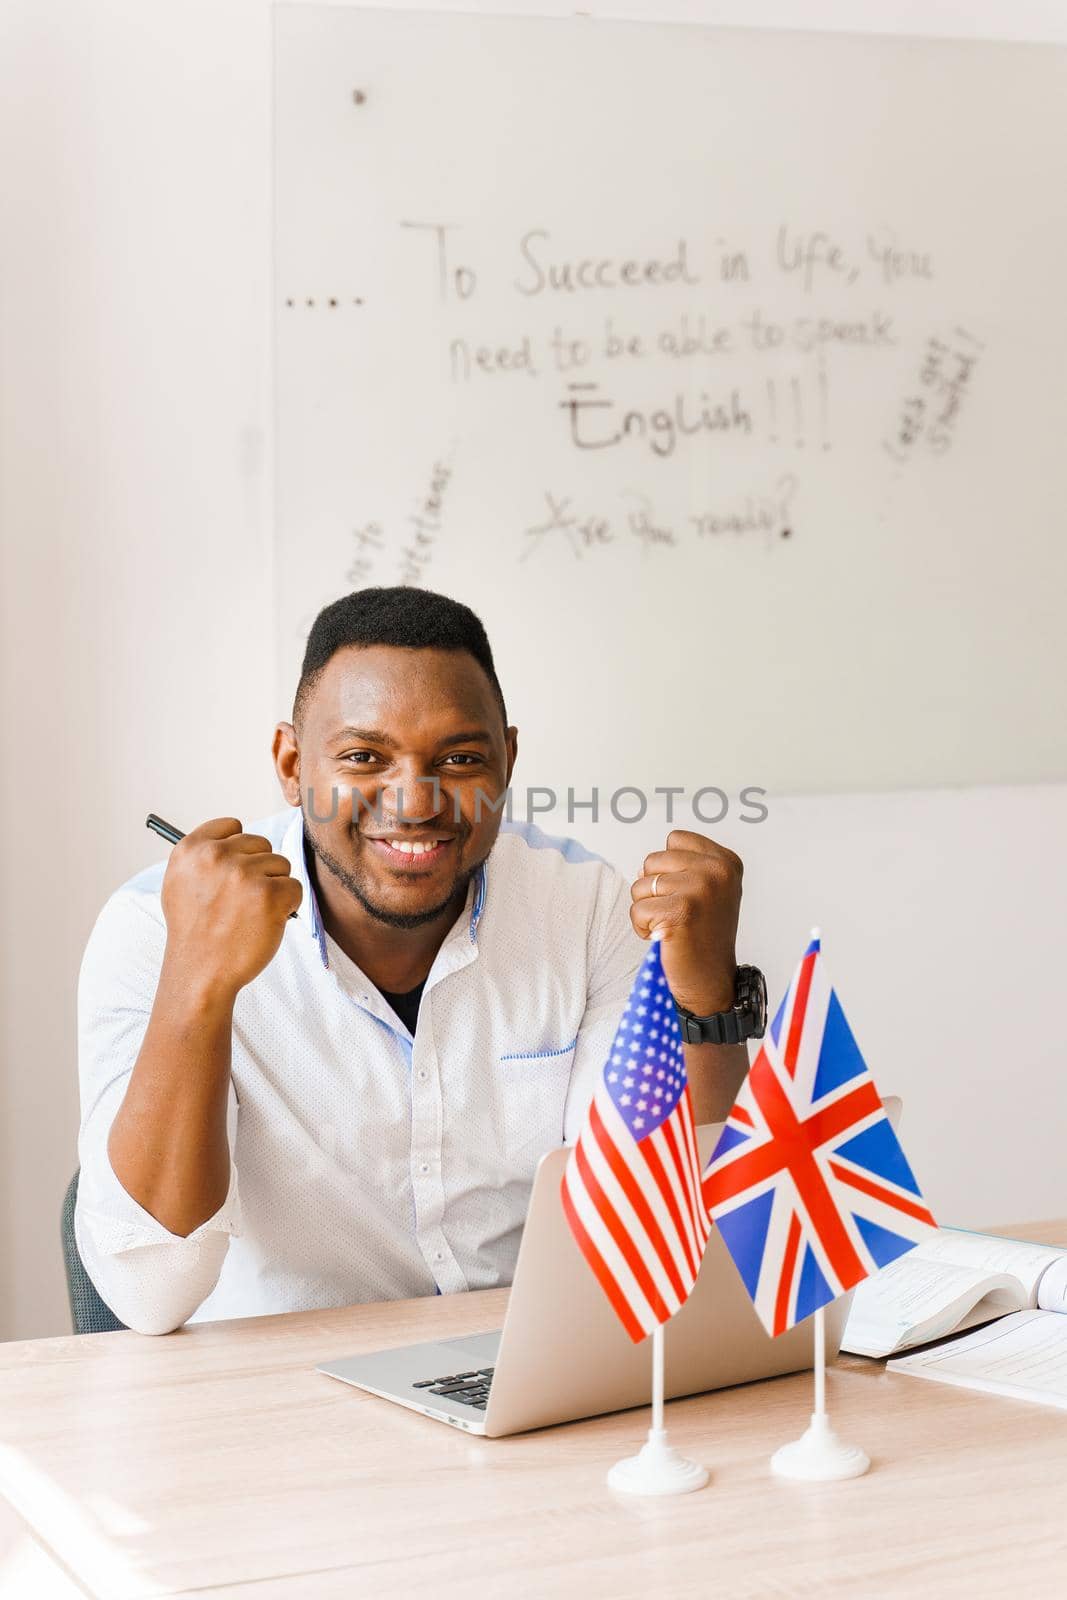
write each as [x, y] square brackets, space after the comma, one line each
[226, 897]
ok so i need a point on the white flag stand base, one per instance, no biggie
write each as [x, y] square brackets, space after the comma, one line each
[819, 1455]
[657, 1468]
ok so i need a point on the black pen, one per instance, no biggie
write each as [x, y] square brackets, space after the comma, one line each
[164, 829]
[168, 831]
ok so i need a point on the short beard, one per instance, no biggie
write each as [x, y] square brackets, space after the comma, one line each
[392, 919]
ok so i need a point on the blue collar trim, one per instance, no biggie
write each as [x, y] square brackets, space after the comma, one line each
[310, 901]
[479, 901]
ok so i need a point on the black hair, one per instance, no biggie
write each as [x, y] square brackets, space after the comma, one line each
[409, 618]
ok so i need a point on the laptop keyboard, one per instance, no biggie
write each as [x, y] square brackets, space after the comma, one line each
[469, 1388]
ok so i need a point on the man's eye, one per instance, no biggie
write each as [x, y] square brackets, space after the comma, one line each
[462, 756]
[354, 756]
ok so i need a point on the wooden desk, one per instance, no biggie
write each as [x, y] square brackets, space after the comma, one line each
[216, 1460]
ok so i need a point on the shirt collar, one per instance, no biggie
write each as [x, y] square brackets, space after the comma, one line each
[480, 878]
[308, 912]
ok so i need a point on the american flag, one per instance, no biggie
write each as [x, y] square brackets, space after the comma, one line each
[808, 1184]
[631, 1188]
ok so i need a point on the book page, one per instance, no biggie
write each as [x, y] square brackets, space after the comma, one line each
[1023, 1356]
[1024, 1261]
[1052, 1290]
[912, 1301]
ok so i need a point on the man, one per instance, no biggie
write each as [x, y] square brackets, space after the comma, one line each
[282, 1112]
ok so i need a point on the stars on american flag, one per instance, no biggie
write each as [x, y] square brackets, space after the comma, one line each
[649, 1051]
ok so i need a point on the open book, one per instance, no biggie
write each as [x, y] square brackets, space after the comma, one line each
[1023, 1356]
[953, 1281]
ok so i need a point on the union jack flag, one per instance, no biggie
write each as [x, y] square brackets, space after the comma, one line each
[808, 1183]
[631, 1187]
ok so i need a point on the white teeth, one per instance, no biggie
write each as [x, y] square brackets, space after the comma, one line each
[414, 847]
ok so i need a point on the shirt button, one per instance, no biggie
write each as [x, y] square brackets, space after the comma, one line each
[439, 1255]
[422, 1073]
[424, 1166]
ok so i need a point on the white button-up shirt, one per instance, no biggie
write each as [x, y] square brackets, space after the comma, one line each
[367, 1163]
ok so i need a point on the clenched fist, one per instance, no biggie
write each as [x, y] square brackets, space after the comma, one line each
[226, 897]
[692, 891]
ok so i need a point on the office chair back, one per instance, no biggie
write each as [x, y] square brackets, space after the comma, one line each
[88, 1313]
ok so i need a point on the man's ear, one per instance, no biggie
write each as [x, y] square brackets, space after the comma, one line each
[285, 749]
[511, 739]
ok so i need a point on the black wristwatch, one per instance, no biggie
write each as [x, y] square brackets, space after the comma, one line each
[747, 1019]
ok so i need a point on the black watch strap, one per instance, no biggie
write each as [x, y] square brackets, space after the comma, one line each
[747, 1019]
[721, 1028]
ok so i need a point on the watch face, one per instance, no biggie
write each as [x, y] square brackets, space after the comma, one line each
[761, 1005]
[753, 998]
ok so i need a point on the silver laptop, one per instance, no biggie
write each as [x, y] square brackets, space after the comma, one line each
[562, 1353]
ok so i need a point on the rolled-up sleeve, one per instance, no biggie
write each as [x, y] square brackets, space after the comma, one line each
[152, 1279]
[618, 953]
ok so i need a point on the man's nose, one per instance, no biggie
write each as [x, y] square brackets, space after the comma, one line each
[412, 794]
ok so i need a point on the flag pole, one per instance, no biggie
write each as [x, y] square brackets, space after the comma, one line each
[820, 1363]
[819, 1454]
[657, 1468]
[657, 1380]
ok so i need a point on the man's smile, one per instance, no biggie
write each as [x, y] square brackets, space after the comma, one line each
[418, 855]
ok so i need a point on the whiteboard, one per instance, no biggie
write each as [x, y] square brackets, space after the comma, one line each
[720, 372]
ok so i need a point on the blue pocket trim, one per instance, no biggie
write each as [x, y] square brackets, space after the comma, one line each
[538, 1055]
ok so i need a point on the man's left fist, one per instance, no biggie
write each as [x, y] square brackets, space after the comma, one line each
[692, 892]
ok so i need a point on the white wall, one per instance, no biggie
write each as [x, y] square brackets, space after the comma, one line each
[136, 596]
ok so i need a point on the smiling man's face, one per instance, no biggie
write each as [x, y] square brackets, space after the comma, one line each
[381, 723]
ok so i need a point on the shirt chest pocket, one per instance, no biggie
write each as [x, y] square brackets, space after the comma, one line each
[532, 1096]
